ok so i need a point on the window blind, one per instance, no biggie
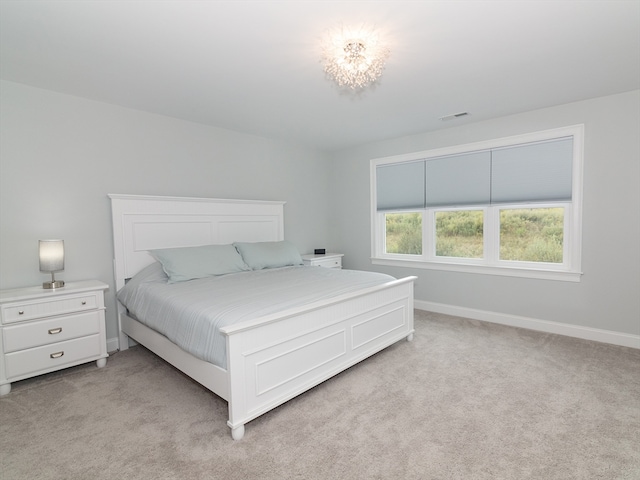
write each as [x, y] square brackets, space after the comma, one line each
[400, 186]
[459, 180]
[531, 172]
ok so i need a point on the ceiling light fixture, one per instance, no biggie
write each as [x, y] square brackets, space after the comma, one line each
[354, 58]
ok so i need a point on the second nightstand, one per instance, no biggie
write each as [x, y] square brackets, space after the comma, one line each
[328, 260]
[46, 330]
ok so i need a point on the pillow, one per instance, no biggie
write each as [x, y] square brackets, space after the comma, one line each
[188, 263]
[261, 255]
[150, 274]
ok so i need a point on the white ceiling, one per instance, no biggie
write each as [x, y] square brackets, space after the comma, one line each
[254, 66]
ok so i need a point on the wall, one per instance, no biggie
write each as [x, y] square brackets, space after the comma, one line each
[61, 155]
[607, 298]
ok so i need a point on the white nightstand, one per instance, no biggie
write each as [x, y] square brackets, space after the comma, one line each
[46, 330]
[328, 260]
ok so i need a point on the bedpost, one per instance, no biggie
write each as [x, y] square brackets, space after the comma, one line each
[123, 338]
[237, 433]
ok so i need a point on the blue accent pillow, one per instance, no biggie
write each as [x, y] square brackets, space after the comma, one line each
[188, 263]
[261, 255]
[150, 274]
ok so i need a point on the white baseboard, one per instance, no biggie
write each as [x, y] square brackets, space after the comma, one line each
[112, 344]
[577, 331]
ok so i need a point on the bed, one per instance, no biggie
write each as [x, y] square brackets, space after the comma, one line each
[278, 354]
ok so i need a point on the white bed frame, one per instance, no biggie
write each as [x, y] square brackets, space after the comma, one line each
[273, 358]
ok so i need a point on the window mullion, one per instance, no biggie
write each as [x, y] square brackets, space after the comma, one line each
[492, 235]
[428, 234]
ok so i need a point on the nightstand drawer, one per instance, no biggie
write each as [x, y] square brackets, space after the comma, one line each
[329, 260]
[50, 357]
[43, 332]
[19, 312]
[335, 262]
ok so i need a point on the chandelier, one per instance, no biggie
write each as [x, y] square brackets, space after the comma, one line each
[354, 58]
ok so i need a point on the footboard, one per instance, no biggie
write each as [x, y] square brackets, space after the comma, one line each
[275, 358]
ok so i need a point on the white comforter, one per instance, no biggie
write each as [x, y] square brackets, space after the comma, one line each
[192, 313]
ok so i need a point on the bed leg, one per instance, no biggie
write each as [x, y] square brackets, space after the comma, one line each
[237, 433]
[410, 337]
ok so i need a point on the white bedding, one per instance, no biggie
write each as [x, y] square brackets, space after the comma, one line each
[192, 313]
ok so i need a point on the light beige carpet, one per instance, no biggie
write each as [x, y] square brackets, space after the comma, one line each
[464, 400]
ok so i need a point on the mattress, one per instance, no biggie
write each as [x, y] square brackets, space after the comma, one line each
[191, 313]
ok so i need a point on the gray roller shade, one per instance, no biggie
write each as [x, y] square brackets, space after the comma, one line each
[400, 186]
[532, 172]
[459, 180]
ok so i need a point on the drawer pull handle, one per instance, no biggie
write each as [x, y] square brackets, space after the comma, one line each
[84, 302]
[57, 354]
[21, 312]
[55, 331]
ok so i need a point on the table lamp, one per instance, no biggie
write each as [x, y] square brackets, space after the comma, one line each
[52, 260]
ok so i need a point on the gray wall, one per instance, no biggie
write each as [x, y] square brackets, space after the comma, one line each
[61, 155]
[608, 297]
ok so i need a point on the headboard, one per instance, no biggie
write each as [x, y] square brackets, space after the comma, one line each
[142, 223]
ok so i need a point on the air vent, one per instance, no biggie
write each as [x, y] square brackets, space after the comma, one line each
[453, 116]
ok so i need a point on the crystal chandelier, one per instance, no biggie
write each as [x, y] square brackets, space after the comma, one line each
[354, 58]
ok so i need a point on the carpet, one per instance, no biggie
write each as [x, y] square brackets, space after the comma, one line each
[465, 400]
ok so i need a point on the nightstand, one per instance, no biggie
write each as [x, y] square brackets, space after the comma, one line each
[46, 330]
[328, 260]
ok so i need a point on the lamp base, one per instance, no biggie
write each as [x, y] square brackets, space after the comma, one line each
[53, 284]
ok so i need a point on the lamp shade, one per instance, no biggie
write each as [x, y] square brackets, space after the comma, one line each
[51, 255]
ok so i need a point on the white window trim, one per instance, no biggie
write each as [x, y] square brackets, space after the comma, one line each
[570, 270]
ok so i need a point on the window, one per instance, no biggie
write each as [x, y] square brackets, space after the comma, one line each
[403, 233]
[532, 234]
[509, 206]
[459, 233]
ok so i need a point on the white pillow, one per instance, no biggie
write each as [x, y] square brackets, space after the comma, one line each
[188, 263]
[261, 255]
[150, 274]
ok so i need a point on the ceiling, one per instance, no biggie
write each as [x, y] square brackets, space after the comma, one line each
[254, 66]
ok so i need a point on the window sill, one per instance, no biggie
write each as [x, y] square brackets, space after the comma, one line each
[564, 276]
